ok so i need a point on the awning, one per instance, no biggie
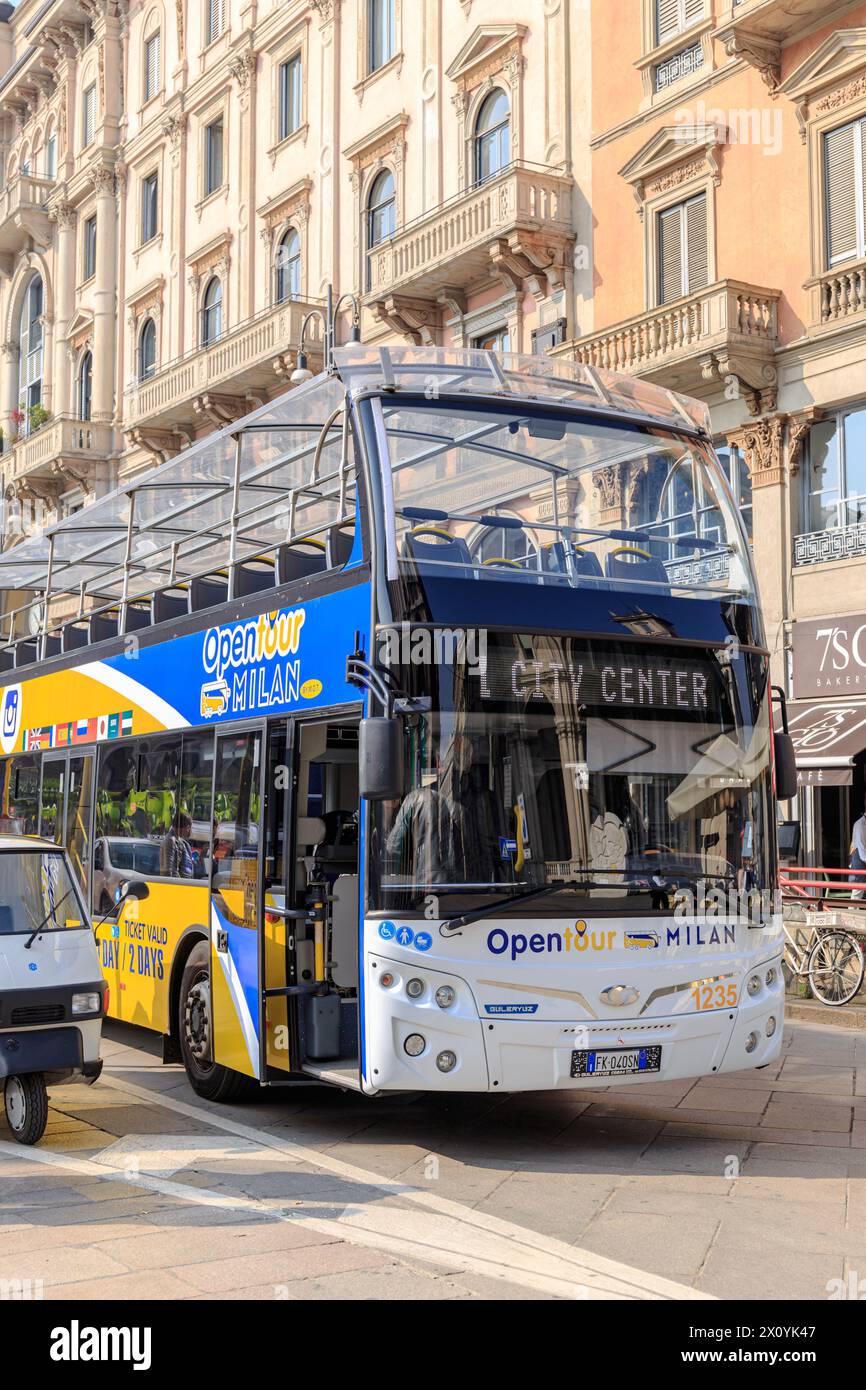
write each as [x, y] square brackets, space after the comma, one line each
[828, 735]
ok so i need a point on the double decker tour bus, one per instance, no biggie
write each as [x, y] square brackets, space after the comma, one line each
[432, 704]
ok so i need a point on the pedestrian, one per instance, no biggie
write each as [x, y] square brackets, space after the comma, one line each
[858, 854]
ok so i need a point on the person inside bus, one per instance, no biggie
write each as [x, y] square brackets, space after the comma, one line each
[175, 855]
[446, 830]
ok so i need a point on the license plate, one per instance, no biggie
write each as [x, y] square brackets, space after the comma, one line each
[616, 1061]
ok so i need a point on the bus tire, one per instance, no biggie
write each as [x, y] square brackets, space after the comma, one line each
[208, 1079]
[26, 1103]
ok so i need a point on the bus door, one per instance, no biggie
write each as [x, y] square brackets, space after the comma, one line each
[236, 878]
[310, 909]
[281, 925]
[66, 806]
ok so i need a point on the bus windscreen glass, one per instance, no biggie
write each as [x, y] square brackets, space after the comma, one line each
[615, 773]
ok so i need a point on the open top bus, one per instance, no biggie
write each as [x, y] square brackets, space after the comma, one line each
[432, 702]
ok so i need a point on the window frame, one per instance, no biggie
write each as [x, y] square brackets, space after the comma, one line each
[216, 121]
[212, 7]
[481, 138]
[148, 179]
[370, 211]
[843, 498]
[208, 338]
[858, 123]
[89, 115]
[389, 10]
[148, 93]
[680, 204]
[88, 248]
[142, 375]
[295, 260]
[285, 130]
[80, 395]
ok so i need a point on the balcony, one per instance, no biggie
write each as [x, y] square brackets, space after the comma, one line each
[217, 384]
[726, 329]
[23, 212]
[64, 452]
[835, 543]
[516, 228]
[839, 298]
[756, 30]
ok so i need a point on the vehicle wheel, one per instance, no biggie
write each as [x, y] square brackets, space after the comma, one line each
[835, 968]
[26, 1101]
[195, 1028]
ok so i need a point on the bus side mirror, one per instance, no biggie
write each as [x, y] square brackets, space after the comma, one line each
[786, 766]
[135, 889]
[380, 758]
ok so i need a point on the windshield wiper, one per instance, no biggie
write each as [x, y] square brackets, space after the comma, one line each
[453, 924]
[50, 913]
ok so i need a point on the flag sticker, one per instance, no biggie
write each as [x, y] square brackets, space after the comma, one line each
[102, 727]
[126, 722]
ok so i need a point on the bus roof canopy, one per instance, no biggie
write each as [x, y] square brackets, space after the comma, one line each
[283, 471]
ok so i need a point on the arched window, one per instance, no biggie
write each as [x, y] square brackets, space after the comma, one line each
[211, 313]
[50, 158]
[287, 264]
[505, 543]
[25, 162]
[492, 136]
[85, 386]
[147, 350]
[31, 350]
[381, 213]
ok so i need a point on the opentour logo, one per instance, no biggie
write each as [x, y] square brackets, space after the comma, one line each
[250, 665]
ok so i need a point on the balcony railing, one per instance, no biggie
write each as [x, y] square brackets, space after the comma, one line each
[243, 359]
[23, 210]
[839, 294]
[769, 22]
[835, 543]
[450, 246]
[61, 437]
[729, 315]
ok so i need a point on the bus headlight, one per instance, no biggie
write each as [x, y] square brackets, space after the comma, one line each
[86, 1003]
[415, 988]
[414, 1045]
[770, 977]
[754, 985]
[446, 1061]
[751, 1042]
[771, 1026]
[445, 996]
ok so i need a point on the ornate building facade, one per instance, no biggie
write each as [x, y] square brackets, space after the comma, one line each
[729, 261]
[182, 181]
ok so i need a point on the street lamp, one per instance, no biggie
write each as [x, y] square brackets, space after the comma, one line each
[328, 317]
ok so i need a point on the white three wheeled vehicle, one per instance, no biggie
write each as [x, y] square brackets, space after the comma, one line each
[52, 994]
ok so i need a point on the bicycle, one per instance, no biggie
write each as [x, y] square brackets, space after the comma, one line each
[831, 960]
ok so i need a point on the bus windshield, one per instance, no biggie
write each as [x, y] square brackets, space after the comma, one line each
[616, 773]
[522, 494]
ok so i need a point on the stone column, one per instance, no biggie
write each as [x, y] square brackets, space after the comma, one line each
[62, 395]
[105, 293]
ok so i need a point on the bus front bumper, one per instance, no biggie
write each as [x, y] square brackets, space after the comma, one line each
[525, 1054]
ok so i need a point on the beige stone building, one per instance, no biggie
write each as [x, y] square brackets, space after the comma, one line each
[182, 181]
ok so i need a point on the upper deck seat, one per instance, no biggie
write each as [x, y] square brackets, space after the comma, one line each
[74, 635]
[300, 559]
[432, 548]
[338, 546]
[629, 563]
[207, 591]
[585, 564]
[170, 603]
[25, 652]
[101, 627]
[7, 658]
[254, 576]
[53, 644]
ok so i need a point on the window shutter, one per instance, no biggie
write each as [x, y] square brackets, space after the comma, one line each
[694, 11]
[670, 253]
[696, 243]
[152, 60]
[668, 23]
[840, 155]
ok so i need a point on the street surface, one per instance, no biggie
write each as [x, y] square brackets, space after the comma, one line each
[743, 1186]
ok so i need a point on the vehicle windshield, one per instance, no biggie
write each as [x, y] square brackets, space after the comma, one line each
[619, 773]
[36, 886]
[520, 495]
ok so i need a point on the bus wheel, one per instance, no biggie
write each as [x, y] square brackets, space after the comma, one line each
[195, 1027]
[26, 1101]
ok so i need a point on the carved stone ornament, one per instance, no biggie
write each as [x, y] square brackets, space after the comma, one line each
[761, 445]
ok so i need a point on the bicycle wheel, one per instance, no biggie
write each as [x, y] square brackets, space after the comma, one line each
[835, 968]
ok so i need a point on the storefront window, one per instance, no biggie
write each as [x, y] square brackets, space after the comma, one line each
[837, 471]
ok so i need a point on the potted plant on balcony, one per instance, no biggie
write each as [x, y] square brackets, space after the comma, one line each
[16, 419]
[37, 416]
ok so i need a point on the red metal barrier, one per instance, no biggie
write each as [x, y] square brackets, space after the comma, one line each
[796, 880]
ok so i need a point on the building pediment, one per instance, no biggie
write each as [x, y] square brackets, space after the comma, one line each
[832, 76]
[672, 156]
[80, 327]
[485, 51]
[839, 57]
[287, 204]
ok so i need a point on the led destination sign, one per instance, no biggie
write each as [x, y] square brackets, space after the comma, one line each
[601, 679]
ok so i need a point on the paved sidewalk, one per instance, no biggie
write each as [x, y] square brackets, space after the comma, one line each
[744, 1186]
